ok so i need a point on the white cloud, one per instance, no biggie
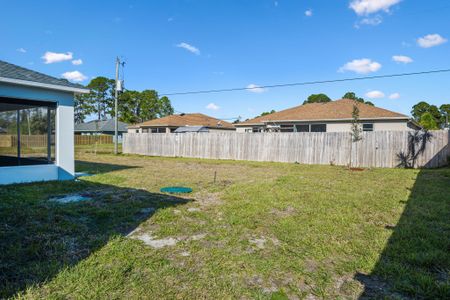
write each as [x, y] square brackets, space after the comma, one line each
[77, 62]
[431, 40]
[361, 66]
[189, 48]
[53, 57]
[394, 96]
[366, 7]
[309, 13]
[22, 50]
[255, 88]
[212, 106]
[402, 59]
[375, 94]
[74, 76]
[374, 21]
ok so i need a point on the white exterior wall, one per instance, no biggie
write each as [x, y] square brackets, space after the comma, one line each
[65, 158]
[377, 126]
[346, 126]
[339, 127]
[64, 166]
[391, 126]
[242, 129]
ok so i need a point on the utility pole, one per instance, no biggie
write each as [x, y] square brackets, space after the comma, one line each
[116, 110]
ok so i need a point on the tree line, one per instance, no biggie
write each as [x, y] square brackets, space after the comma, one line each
[133, 106]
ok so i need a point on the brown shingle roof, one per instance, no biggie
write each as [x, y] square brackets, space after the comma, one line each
[334, 110]
[195, 119]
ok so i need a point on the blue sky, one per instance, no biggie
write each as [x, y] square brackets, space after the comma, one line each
[189, 45]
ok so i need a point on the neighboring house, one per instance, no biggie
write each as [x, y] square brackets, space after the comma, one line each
[173, 122]
[36, 153]
[334, 116]
[100, 127]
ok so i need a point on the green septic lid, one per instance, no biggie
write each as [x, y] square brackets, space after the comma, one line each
[176, 190]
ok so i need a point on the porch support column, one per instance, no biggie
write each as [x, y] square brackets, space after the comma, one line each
[64, 140]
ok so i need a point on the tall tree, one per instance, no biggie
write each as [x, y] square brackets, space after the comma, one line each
[352, 96]
[317, 98]
[82, 108]
[419, 109]
[423, 107]
[129, 107]
[165, 107]
[428, 121]
[135, 107]
[101, 97]
[445, 112]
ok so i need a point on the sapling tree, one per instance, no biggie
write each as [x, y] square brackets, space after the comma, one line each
[356, 127]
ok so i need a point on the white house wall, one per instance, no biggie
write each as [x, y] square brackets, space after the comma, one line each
[65, 159]
[346, 126]
[64, 167]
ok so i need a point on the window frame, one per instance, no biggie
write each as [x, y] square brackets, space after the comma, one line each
[50, 119]
[317, 124]
[365, 130]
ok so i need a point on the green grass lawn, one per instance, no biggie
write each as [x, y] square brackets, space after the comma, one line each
[261, 230]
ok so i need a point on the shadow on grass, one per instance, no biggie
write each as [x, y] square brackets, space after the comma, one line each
[99, 168]
[416, 260]
[39, 237]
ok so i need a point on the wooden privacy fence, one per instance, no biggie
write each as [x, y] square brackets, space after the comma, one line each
[93, 139]
[37, 141]
[376, 149]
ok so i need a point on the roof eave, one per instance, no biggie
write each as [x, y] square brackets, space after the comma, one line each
[44, 85]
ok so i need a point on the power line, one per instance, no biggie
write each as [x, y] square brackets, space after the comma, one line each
[306, 83]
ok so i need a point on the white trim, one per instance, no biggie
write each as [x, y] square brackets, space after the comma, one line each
[44, 85]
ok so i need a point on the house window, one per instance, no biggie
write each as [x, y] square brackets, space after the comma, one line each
[158, 130]
[287, 128]
[27, 132]
[368, 127]
[248, 130]
[318, 127]
[302, 128]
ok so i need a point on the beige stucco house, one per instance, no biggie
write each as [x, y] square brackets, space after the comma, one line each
[334, 116]
[194, 122]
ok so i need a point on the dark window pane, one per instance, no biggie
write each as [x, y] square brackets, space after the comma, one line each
[367, 127]
[302, 128]
[318, 127]
[8, 137]
[287, 128]
[34, 134]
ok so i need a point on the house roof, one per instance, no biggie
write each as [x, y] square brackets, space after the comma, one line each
[100, 126]
[329, 111]
[10, 73]
[195, 119]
